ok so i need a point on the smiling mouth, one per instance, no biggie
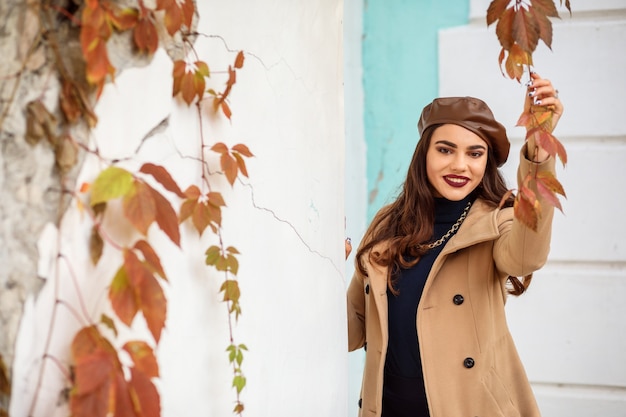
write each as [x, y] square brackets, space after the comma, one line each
[455, 181]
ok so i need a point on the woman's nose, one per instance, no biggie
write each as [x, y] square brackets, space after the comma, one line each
[459, 164]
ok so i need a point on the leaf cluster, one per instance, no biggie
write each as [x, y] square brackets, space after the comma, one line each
[520, 26]
[102, 385]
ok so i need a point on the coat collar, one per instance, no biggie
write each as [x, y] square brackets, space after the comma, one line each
[481, 225]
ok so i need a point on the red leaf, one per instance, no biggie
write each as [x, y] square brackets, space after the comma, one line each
[201, 216]
[495, 10]
[151, 257]
[123, 298]
[173, 18]
[525, 30]
[140, 207]
[546, 7]
[150, 295]
[163, 177]
[147, 400]
[166, 217]
[145, 33]
[143, 357]
[544, 25]
[504, 29]
[153, 305]
[548, 194]
[188, 11]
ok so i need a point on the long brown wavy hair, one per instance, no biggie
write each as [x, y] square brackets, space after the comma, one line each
[408, 221]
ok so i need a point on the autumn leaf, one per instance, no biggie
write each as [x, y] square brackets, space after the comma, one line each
[143, 357]
[165, 216]
[525, 30]
[239, 60]
[96, 245]
[163, 177]
[151, 257]
[147, 292]
[203, 210]
[495, 10]
[139, 207]
[146, 399]
[232, 163]
[111, 183]
[122, 295]
[109, 323]
[145, 33]
[525, 212]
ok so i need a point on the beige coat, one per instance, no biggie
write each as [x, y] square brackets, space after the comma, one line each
[470, 364]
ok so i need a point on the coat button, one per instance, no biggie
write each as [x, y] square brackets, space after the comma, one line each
[367, 289]
[458, 299]
[360, 402]
[468, 363]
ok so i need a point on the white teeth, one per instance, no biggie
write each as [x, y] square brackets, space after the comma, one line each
[456, 180]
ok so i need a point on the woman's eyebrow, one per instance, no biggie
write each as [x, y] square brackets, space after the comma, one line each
[453, 145]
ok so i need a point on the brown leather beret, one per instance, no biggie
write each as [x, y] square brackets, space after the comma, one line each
[472, 114]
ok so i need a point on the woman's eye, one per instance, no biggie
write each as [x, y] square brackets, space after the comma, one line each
[444, 150]
[476, 154]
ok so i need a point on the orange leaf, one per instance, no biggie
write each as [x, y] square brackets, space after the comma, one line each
[186, 209]
[123, 298]
[240, 58]
[193, 192]
[152, 259]
[188, 87]
[241, 164]
[173, 18]
[153, 305]
[526, 213]
[140, 207]
[219, 148]
[143, 357]
[229, 167]
[123, 19]
[201, 216]
[225, 109]
[243, 149]
[495, 10]
[145, 33]
[147, 401]
[163, 177]
[166, 217]
[188, 9]
[149, 293]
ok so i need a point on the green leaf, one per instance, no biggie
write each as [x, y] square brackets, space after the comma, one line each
[108, 322]
[112, 183]
[239, 382]
[213, 254]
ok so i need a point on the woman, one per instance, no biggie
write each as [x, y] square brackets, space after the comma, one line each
[434, 269]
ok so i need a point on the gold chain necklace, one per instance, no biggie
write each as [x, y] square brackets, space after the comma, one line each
[453, 229]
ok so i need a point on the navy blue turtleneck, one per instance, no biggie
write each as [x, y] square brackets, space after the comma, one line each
[404, 382]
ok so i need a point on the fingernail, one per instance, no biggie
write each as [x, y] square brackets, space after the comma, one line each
[529, 83]
[348, 240]
[538, 102]
[532, 93]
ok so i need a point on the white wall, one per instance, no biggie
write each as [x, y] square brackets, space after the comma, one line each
[356, 177]
[569, 328]
[287, 221]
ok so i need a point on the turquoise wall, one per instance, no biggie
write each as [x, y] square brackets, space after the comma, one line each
[400, 68]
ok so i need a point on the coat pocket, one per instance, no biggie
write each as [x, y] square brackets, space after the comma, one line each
[500, 395]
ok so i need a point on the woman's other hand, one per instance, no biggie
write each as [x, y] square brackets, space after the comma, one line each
[348, 244]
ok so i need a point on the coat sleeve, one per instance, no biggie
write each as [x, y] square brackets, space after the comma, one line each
[520, 251]
[356, 313]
